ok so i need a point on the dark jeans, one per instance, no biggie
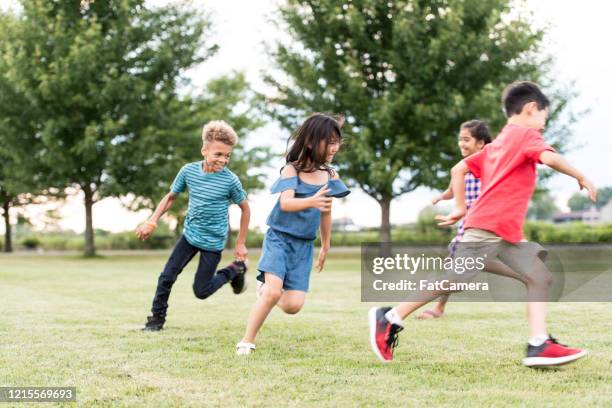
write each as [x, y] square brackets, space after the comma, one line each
[207, 279]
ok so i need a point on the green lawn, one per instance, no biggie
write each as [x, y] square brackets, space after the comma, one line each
[67, 321]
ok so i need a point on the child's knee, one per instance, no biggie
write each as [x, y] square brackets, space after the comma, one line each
[271, 295]
[201, 293]
[293, 307]
[542, 277]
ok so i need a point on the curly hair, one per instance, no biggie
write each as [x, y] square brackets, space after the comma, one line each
[220, 131]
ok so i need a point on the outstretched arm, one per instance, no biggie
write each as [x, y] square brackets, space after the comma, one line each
[145, 230]
[446, 195]
[240, 251]
[557, 162]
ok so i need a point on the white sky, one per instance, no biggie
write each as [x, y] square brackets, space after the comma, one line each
[577, 38]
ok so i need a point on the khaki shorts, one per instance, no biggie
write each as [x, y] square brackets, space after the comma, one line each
[486, 245]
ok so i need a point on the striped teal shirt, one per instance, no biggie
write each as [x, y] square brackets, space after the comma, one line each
[210, 195]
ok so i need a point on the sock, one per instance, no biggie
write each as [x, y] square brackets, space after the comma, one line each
[394, 318]
[538, 340]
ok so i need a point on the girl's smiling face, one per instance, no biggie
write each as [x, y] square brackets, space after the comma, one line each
[332, 148]
[468, 144]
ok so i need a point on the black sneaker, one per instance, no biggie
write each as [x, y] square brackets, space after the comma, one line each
[154, 323]
[238, 283]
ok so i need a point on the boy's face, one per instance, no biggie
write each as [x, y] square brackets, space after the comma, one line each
[468, 144]
[217, 155]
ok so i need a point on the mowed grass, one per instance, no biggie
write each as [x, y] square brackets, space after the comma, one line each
[68, 321]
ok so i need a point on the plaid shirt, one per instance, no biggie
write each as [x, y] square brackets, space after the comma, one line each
[472, 192]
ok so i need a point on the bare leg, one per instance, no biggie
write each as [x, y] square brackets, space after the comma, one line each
[538, 284]
[291, 301]
[271, 294]
[406, 308]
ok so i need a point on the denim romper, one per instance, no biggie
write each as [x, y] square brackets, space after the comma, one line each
[289, 242]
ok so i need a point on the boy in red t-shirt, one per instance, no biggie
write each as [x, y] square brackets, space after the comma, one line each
[507, 170]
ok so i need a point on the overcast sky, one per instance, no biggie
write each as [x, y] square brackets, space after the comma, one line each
[578, 38]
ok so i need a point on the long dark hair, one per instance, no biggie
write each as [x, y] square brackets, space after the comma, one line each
[308, 151]
[478, 129]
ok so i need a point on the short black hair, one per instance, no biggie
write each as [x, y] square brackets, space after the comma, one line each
[478, 129]
[519, 93]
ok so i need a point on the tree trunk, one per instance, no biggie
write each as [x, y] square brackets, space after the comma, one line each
[385, 224]
[8, 245]
[90, 249]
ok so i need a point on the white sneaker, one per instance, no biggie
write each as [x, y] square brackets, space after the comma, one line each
[244, 349]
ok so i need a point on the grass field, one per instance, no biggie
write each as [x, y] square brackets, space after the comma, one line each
[67, 321]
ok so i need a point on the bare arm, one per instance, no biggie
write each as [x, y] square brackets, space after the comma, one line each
[557, 162]
[325, 228]
[326, 222]
[145, 230]
[446, 195]
[289, 203]
[458, 173]
[240, 251]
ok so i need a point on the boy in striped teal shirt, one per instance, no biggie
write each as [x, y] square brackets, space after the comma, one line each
[212, 187]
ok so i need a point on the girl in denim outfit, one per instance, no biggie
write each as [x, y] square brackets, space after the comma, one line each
[306, 186]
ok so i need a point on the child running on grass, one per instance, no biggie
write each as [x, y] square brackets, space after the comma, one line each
[212, 187]
[473, 136]
[507, 169]
[307, 185]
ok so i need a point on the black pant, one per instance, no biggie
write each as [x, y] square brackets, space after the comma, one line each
[206, 281]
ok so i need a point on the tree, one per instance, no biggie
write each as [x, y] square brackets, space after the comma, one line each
[405, 74]
[542, 206]
[161, 151]
[24, 178]
[95, 73]
[580, 202]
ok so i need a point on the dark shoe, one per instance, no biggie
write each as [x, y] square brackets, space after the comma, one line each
[238, 283]
[383, 334]
[551, 353]
[154, 323]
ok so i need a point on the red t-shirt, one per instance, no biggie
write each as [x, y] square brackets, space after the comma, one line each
[507, 170]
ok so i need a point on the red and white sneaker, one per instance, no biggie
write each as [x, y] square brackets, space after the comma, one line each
[551, 353]
[383, 334]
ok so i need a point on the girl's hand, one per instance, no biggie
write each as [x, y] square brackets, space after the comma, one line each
[320, 201]
[240, 252]
[145, 230]
[450, 219]
[321, 260]
[436, 200]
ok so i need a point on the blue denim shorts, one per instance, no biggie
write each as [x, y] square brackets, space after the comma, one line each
[287, 257]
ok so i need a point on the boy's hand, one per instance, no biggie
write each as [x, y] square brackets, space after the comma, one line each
[585, 183]
[450, 219]
[320, 201]
[145, 230]
[240, 252]
[321, 260]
